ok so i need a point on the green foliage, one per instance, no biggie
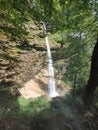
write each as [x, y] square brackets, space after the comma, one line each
[79, 66]
[78, 34]
[12, 17]
[29, 106]
[23, 108]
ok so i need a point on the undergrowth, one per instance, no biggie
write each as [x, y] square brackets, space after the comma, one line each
[32, 111]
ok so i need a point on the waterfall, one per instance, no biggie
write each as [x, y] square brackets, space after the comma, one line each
[51, 85]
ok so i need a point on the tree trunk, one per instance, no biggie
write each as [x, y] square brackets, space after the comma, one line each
[93, 80]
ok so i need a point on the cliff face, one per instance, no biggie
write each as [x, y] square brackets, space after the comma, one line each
[22, 59]
[23, 63]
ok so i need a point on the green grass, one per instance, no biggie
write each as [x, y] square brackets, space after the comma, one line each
[29, 106]
[21, 107]
[39, 102]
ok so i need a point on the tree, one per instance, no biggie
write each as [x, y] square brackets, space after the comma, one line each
[93, 80]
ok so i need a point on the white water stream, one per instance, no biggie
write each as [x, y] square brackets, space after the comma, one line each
[51, 85]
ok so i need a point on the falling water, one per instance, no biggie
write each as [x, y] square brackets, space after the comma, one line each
[51, 85]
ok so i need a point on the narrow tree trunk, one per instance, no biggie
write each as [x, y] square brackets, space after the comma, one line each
[93, 80]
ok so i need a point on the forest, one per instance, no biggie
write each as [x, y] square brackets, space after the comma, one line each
[72, 33]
